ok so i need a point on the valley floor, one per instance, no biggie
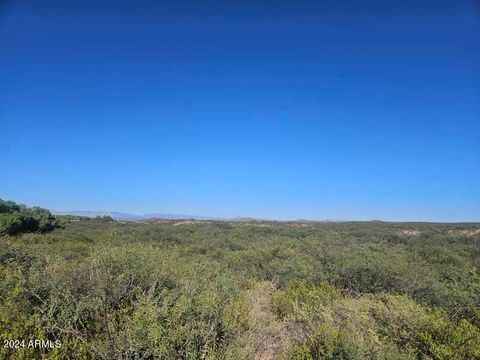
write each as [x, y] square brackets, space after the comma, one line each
[243, 290]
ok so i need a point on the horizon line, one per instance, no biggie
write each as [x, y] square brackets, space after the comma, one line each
[179, 216]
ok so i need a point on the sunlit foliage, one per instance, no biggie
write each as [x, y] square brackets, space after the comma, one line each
[16, 219]
[243, 290]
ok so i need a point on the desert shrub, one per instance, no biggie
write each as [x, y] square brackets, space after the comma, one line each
[304, 301]
[144, 329]
[236, 316]
[382, 326]
[177, 290]
[328, 343]
[16, 219]
[445, 340]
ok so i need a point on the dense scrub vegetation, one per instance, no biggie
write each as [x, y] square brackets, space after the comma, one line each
[217, 290]
[16, 219]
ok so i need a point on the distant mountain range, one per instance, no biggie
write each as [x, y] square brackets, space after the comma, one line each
[132, 217]
[166, 216]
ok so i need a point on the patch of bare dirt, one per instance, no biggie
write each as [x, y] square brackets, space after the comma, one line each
[410, 232]
[300, 225]
[185, 222]
[267, 335]
[465, 233]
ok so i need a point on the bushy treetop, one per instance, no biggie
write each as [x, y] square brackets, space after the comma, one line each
[16, 219]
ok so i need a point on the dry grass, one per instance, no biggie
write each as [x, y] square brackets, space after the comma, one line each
[267, 336]
[409, 232]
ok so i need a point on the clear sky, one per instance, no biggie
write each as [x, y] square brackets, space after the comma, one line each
[278, 109]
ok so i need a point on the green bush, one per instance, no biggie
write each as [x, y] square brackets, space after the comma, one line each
[215, 290]
[16, 219]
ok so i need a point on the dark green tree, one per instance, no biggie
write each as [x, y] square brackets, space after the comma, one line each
[16, 219]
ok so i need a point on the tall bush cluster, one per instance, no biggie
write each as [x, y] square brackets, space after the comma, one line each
[16, 219]
[257, 290]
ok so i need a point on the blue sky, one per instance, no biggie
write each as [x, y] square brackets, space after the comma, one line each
[339, 110]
